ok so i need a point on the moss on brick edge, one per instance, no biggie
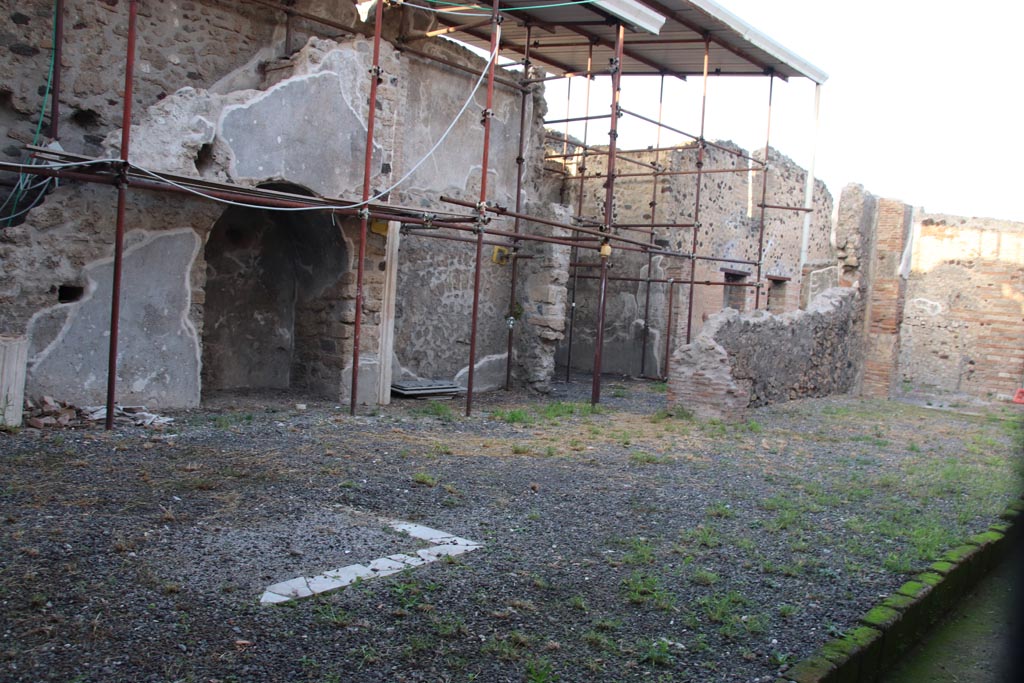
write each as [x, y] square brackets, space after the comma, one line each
[838, 652]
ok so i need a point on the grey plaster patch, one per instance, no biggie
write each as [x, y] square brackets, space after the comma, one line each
[158, 349]
[269, 135]
[488, 375]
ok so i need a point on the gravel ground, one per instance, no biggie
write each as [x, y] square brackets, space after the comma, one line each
[628, 544]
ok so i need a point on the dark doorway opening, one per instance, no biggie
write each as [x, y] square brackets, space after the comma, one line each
[273, 309]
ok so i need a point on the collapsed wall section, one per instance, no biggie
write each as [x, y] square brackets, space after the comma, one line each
[740, 361]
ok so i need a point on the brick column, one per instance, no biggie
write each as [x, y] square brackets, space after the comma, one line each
[885, 298]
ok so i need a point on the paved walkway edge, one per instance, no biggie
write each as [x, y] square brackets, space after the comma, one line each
[895, 625]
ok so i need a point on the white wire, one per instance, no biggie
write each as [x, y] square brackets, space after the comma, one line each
[34, 204]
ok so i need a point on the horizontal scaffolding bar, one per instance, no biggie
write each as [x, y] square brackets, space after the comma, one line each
[784, 208]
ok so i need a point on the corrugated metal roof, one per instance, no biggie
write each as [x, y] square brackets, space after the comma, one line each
[560, 35]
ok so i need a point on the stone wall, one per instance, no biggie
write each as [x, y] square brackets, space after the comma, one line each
[740, 361]
[296, 123]
[729, 229]
[962, 330]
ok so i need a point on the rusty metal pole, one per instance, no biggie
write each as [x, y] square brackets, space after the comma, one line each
[122, 197]
[668, 328]
[609, 195]
[764, 193]
[482, 204]
[364, 213]
[58, 54]
[654, 210]
[696, 201]
[574, 252]
[520, 167]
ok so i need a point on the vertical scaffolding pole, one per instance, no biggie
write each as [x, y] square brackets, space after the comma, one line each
[805, 236]
[520, 167]
[668, 327]
[654, 211]
[364, 212]
[122, 197]
[574, 251]
[696, 201]
[764, 194]
[482, 204]
[609, 195]
[58, 55]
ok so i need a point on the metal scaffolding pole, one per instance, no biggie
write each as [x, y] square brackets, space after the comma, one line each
[650, 257]
[482, 204]
[609, 196]
[364, 212]
[574, 253]
[696, 203]
[58, 52]
[520, 169]
[764, 193]
[122, 198]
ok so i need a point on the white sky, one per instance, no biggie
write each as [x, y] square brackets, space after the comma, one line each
[924, 101]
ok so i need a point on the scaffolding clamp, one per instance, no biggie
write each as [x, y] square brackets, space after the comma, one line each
[613, 66]
[376, 72]
[363, 213]
[486, 114]
[510, 321]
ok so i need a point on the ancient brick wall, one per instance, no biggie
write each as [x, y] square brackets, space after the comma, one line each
[962, 331]
[740, 361]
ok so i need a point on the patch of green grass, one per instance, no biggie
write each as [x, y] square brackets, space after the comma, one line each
[424, 479]
[520, 449]
[642, 458]
[450, 626]
[553, 411]
[644, 589]
[703, 577]
[599, 641]
[513, 416]
[722, 510]
[438, 409]
[619, 392]
[720, 608]
[540, 670]
[656, 652]
[332, 615]
[577, 602]
[705, 536]
[658, 387]
[787, 611]
[640, 552]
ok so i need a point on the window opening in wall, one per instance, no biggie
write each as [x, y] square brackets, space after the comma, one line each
[67, 294]
[777, 293]
[735, 297]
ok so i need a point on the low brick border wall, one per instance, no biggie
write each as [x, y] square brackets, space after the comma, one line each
[891, 628]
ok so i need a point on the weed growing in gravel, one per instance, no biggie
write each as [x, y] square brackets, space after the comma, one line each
[442, 449]
[553, 411]
[520, 449]
[619, 392]
[441, 411]
[656, 652]
[647, 589]
[705, 536]
[424, 479]
[599, 641]
[451, 626]
[540, 670]
[332, 615]
[640, 551]
[577, 602]
[703, 577]
[722, 510]
[512, 416]
[550, 452]
[787, 611]
[659, 387]
[720, 608]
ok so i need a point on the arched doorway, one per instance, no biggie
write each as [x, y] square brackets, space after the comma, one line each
[273, 308]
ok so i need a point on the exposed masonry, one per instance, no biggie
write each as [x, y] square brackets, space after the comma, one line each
[729, 229]
[740, 361]
[442, 544]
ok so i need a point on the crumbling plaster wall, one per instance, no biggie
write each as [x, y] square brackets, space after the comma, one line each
[247, 130]
[962, 331]
[729, 228]
[740, 361]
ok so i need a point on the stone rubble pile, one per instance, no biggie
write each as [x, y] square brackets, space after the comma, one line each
[48, 413]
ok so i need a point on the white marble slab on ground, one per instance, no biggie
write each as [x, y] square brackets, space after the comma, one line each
[444, 545]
